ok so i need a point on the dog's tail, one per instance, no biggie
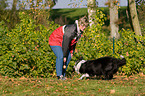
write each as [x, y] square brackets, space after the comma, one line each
[122, 61]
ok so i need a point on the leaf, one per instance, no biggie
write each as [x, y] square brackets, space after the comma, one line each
[112, 91]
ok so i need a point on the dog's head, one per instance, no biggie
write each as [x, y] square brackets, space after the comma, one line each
[78, 65]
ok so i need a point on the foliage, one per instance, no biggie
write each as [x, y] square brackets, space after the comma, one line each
[37, 11]
[96, 44]
[140, 8]
[141, 14]
[25, 50]
[3, 4]
[90, 41]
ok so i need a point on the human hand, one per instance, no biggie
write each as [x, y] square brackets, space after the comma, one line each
[64, 59]
[71, 55]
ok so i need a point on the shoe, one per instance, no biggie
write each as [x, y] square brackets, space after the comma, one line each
[61, 77]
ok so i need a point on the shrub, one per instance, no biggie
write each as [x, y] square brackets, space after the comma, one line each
[25, 49]
[131, 46]
[95, 44]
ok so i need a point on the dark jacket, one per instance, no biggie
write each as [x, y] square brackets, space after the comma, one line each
[66, 37]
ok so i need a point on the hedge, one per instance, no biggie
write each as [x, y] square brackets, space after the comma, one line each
[24, 50]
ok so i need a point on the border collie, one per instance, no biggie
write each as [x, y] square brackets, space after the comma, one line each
[106, 66]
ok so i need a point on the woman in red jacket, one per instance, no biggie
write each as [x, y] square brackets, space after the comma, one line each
[63, 41]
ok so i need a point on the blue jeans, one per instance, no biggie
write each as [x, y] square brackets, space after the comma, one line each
[59, 60]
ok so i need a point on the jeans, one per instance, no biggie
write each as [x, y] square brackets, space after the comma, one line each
[59, 60]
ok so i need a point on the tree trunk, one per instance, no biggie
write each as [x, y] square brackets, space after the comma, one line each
[134, 17]
[14, 5]
[3, 4]
[114, 19]
[91, 10]
[13, 15]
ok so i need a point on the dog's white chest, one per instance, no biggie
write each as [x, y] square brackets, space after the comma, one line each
[77, 67]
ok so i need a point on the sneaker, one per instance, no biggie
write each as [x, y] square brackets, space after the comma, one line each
[61, 77]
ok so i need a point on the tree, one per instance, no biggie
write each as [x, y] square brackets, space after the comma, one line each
[134, 17]
[114, 18]
[50, 3]
[14, 5]
[91, 4]
[8, 16]
[38, 10]
[3, 4]
[141, 12]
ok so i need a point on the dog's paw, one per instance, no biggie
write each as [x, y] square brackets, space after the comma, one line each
[80, 79]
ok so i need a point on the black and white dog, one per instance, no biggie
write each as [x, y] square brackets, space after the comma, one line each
[106, 66]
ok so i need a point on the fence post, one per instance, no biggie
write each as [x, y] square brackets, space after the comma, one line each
[113, 44]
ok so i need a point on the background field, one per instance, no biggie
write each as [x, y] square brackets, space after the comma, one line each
[72, 14]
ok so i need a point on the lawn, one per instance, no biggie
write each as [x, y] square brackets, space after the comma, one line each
[119, 86]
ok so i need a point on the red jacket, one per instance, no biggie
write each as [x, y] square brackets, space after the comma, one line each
[65, 36]
[56, 37]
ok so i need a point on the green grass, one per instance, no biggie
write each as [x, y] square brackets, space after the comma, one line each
[71, 13]
[67, 14]
[75, 13]
[119, 86]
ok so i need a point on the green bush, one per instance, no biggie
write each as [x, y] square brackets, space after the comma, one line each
[25, 49]
[131, 46]
[95, 44]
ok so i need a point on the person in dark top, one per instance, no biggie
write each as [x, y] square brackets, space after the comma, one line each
[63, 41]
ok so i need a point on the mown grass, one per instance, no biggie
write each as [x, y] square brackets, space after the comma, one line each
[70, 12]
[67, 15]
[119, 86]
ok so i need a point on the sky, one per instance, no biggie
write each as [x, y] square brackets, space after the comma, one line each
[70, 3]
[65, 3]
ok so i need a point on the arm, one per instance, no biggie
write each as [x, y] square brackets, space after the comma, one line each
[66, 42]
[73, 45]
[72, 48]
[70, 31]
